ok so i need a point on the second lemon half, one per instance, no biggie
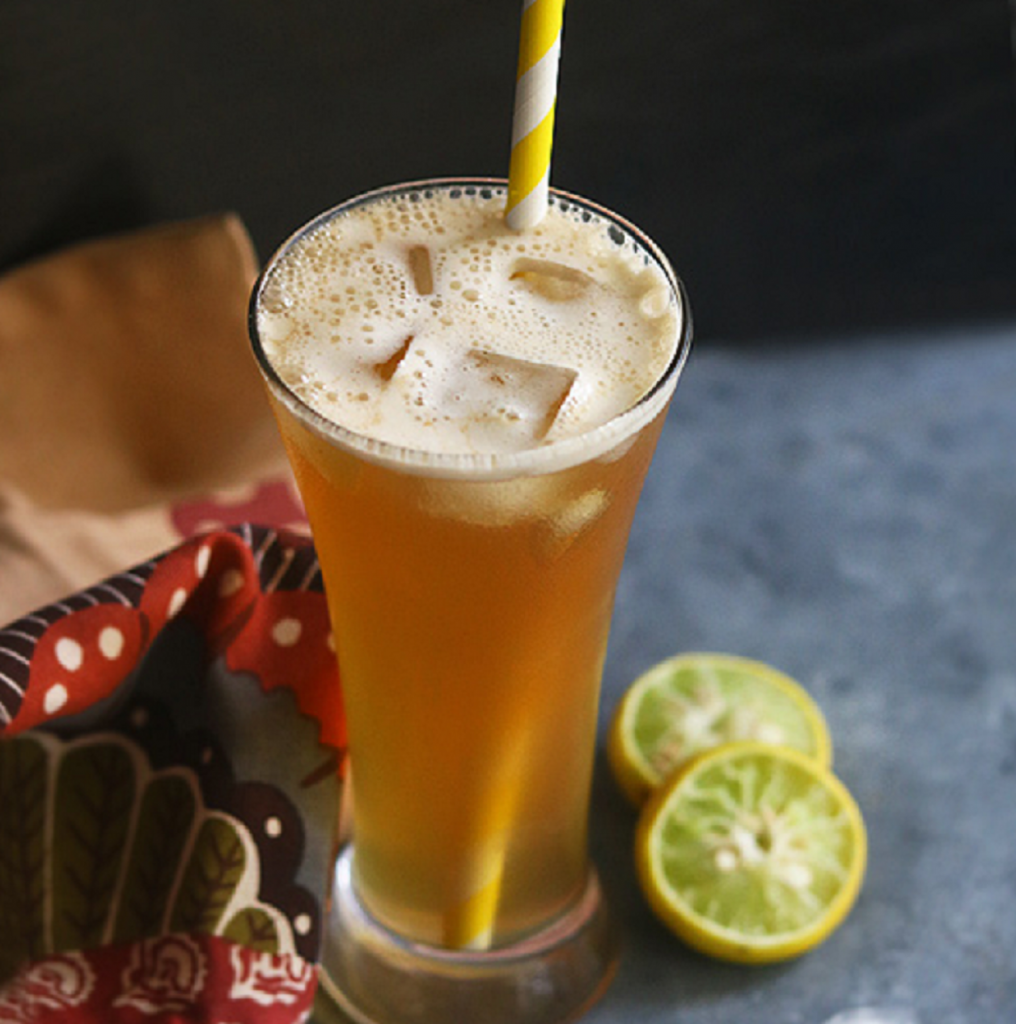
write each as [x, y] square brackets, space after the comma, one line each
[694, 702]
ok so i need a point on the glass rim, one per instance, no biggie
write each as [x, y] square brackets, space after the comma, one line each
[552, 456]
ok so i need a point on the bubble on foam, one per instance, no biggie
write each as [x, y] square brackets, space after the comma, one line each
[573, 295]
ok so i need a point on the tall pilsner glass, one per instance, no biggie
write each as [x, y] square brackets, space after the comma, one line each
[470, 414]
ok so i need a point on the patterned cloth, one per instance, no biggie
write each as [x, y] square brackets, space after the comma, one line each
[171, 756]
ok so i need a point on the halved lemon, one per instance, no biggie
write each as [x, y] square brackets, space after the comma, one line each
[693, 702]
[751, 853]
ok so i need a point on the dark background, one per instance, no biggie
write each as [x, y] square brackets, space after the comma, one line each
[810, 167]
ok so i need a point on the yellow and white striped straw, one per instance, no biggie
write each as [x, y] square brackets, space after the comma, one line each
[469, 922]
[533, 120]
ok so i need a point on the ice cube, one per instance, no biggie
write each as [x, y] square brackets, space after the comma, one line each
[558, 532]
[524, 397]
[555, 281]
[557, 517]
[421, 269]
[495, 503]
[387, 367]
[493, 402]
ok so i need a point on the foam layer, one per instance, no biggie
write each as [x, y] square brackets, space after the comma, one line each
[422, 321]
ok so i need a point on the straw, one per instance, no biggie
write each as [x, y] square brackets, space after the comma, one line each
[533, 121]
[469, 922]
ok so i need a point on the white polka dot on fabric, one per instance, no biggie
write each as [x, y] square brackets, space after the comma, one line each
[111, 643]
[56, 697]
[286, 632]
[273, 827]
[177, 601]
[204, 556]
[230, 582]
[302, 923]
[69, 653]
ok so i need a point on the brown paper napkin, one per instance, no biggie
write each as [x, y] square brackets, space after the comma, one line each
[127, 392]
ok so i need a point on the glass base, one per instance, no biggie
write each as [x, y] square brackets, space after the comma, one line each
[376, 977]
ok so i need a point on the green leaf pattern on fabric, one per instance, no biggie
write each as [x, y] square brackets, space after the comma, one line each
[212, 876]
[130, 853]
[95, 789]
[166, 814]
[255, 928]
[23, 784]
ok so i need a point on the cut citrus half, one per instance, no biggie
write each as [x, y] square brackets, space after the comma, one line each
[693, 702]
[751, 853]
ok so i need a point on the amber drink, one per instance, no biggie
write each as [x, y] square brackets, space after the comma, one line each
[470, 414]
